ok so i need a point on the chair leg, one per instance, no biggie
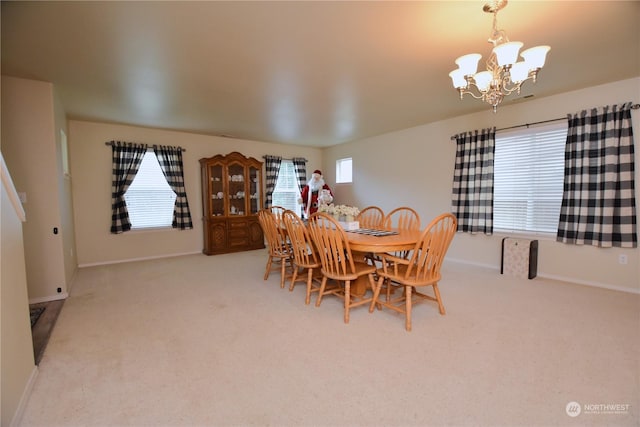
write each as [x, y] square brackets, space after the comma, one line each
[408, 308]
[268, 270]
[321, 291]
[372, 283]
[347, 300]
[294, 276]
[283, 271]
[376, 294]
[309, 283]
[437, 292]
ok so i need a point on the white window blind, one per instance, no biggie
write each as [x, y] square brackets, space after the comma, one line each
[286, 192]
[150, 200]
[528, 178]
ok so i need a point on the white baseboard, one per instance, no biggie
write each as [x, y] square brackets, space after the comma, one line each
[559, 278]
[589, 283]
[94, 264]
[56, 297]
[476, 264]
[17, 417]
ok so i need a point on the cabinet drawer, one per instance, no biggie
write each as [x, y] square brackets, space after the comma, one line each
[238, 238]
[239, 233]
[237, 224]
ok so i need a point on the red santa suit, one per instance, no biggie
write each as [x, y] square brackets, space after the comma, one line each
[310, 192]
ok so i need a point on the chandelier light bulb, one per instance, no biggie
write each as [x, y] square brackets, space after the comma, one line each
[507, 53]
[483, 80]
[459, 82]
[468, 64]
[519, 72]
[535, 56]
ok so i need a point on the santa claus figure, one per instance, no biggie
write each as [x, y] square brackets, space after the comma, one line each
[316, 192]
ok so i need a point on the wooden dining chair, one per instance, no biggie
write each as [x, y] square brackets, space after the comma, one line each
[403, 218]
[337, 262]
[278, 211]
[421, 270]
[305, 257]
[279, 248]
[371, 217]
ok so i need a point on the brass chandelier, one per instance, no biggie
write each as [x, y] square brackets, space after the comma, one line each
[503, 74]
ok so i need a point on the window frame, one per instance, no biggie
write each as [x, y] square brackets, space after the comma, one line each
[556, 133]
[294, 189]
[133, 214]
[344, 170]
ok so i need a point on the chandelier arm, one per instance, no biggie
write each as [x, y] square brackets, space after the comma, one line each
[508, 90]
[509, 87]
[480, 95]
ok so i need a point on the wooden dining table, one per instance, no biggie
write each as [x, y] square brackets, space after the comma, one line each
[404, 240]
[362, 244]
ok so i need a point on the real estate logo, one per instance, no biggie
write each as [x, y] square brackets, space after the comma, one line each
[573, 409]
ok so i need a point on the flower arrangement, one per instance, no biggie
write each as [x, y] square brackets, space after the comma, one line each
[340, 210]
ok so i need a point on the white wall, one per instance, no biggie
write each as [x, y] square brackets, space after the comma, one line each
[32, 118]
[17, 365]
[91, 177]
[415, 167]
[67, 239]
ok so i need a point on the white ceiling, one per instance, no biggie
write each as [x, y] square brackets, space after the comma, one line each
[309, 73]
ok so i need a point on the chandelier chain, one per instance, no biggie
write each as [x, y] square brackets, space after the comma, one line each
[497, 36]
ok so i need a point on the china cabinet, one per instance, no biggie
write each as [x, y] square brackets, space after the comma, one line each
[231, 198]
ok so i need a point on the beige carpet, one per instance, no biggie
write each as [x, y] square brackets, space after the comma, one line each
[204, 341]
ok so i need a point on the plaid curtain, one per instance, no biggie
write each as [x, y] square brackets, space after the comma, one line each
[598, 204]
[272, 168]
[300, 166]
[126, 159]
[170, 160]
[472, 193]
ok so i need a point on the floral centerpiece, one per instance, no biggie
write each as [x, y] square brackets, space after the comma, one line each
[344, 212]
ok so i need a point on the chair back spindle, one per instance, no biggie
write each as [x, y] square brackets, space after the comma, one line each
[333, 246]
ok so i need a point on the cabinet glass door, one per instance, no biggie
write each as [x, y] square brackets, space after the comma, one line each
[236, 189]
[254, 190]
[217, 190]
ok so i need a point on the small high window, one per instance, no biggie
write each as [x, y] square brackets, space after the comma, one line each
[344, 170]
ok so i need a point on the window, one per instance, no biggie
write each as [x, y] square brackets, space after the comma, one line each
[344, 170]
[150, 200]
[529, 179]
[287, 192]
